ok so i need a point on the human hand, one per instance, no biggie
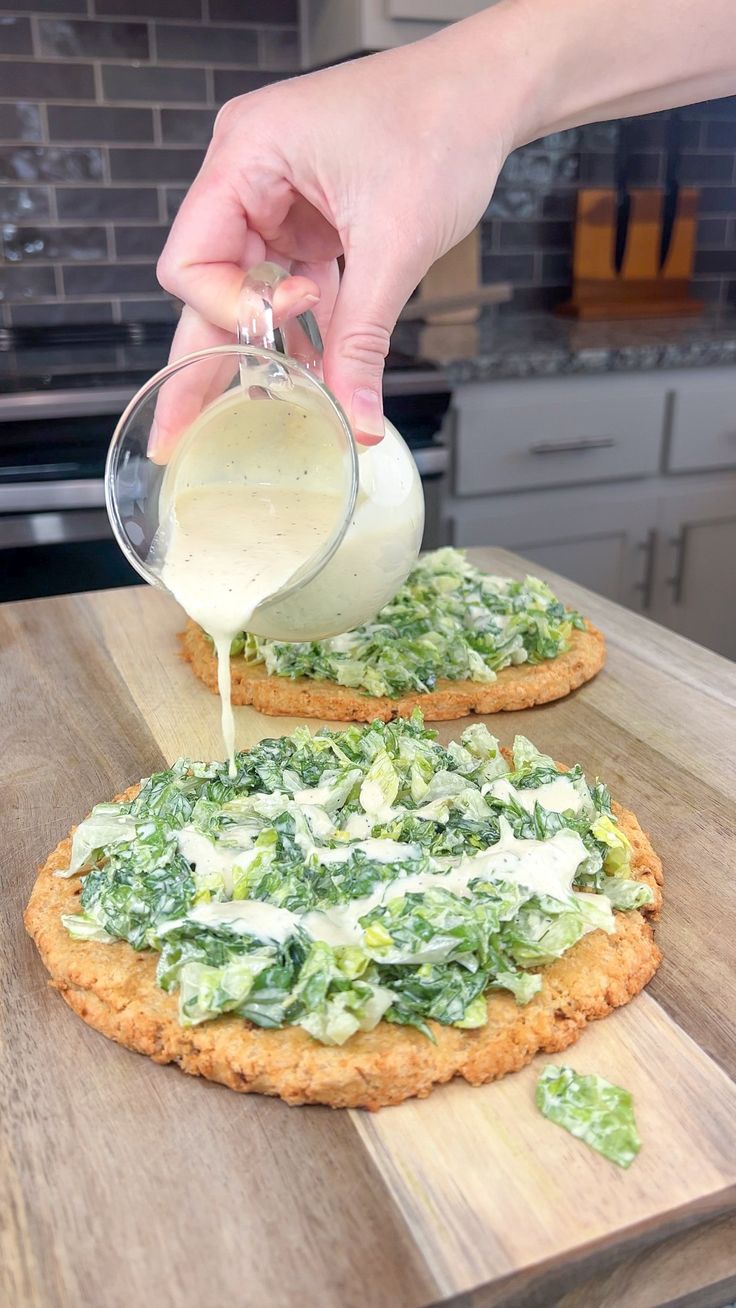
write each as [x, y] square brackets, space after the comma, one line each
[371, 160]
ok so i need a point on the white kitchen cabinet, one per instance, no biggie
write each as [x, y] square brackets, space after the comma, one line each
[694, 584]
[702, 432]
[516, 435]
[610, 480]
[600, 539]
[338, 29]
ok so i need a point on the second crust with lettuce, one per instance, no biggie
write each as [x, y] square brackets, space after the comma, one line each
[453, 641]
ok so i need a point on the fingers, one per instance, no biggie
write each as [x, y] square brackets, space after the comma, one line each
[326, 277]
[209, 246]
[375, 287]
[183, 396]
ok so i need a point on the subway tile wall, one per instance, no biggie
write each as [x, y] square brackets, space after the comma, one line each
[528, 228]
[106, 107]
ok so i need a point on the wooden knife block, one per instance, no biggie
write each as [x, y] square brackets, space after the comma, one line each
[641, 289]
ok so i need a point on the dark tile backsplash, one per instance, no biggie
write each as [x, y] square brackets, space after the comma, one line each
[533, 208]
[15, 36]
[116, 279]
[41, 244]
[107, 106]
[157, 164]
[106, 109]
[231, 82]
[71, 38]
[138, 241]
[21, 203]
[213, 45]
[20, 122]
[150, 83]
[51, 163]
[69, 122]
[50, 81]
[187, 126]
[106, 203]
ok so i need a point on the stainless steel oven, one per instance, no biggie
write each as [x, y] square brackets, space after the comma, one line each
[54, 532]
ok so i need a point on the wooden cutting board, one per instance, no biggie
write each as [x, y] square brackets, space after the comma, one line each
[123, 1182]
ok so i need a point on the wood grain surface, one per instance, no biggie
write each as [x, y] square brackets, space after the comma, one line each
[122, 1181]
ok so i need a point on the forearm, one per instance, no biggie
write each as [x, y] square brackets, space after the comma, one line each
[578, 61]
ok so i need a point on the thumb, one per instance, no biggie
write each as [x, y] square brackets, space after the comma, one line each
[373, 291]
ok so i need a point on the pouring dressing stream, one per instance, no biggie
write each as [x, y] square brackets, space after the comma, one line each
[268, 517]
[227, 547]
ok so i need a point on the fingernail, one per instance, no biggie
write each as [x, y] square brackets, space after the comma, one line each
[366, 412]
[153, 439]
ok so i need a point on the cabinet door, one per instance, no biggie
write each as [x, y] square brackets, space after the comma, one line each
[559, 431]
[695, 591]
[602, 540]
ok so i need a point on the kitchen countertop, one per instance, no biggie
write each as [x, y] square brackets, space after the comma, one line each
[542, 345]
[123, 1181]
[57, 373]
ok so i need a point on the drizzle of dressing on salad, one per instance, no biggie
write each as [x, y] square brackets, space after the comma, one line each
[544, 867]
[558, 796]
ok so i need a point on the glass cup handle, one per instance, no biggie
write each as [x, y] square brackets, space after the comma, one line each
[300, 336]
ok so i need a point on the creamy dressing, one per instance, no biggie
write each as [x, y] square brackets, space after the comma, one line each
[248, 917]
[254, 494]
[544, 867]
[558, 796]
[229, 549]
[213, 859]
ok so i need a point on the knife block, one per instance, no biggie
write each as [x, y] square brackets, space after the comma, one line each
[641, 289]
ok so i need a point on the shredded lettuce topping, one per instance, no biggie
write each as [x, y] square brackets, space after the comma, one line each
[448, 620]
[592, 1109]
[347, 877]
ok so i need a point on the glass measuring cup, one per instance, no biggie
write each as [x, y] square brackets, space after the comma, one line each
[364, 555]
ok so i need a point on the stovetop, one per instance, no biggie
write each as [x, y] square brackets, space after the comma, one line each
[99, 356]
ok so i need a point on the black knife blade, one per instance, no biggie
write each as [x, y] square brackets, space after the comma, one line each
[672, 187]
[623, 197]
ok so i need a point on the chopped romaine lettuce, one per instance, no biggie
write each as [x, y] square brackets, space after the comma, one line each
[592, 1109]
[449, 619]
[345, 839]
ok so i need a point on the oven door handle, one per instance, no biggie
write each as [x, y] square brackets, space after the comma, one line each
[44, 496]
[25, 529]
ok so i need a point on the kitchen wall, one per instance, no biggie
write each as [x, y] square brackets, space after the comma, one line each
[105, 110]
[527, 235]
[106, 107]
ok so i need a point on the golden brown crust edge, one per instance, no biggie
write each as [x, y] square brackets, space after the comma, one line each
[113, 989]
[514, 688]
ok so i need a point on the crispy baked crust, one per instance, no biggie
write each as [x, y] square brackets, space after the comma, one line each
[514, 688]
[113, 988]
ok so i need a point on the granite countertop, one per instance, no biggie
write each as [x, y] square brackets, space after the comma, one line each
[542, 345]
[507, 346]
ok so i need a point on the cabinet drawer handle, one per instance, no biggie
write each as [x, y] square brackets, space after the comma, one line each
[573, 447]
[647, 580]
[675, 581]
